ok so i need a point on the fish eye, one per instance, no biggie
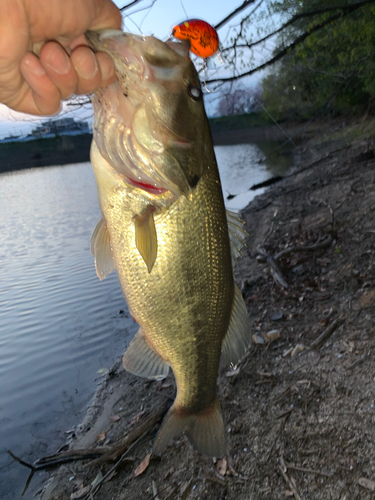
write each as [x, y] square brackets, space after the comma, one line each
[195, 92]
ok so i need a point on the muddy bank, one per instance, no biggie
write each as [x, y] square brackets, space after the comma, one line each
[300, 410]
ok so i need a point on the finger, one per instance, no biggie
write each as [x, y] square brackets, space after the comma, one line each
[59, 68]
[43, 97]
[81, 40]
[107, 15]
[87, 68]
[107, 68]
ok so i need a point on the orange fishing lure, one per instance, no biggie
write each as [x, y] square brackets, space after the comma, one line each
[204, 41]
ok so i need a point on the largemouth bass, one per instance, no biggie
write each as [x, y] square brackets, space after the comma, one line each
[165, 229]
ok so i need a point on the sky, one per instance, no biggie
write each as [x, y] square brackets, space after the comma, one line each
[157, 18]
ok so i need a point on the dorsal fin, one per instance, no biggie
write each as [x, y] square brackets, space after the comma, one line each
[238, 336]
[237, 234]
[102, 251]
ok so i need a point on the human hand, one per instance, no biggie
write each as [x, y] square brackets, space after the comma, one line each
[53, 29]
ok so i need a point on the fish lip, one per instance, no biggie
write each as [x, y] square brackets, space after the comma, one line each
[110, 33]
[155, 190]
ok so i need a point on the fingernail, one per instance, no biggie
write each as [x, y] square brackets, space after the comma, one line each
[34, 66]
[107, 69]
[86, 65]
[59, 62]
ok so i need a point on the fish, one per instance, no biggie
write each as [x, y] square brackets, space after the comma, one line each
[165, 230]
[203, 38]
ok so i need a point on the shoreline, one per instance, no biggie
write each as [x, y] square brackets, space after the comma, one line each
[64, 150]
[275, 405]
[60, 150]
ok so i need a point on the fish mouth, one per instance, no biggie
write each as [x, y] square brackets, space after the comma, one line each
[147, 187]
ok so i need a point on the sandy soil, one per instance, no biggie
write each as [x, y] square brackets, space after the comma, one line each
[298, 426]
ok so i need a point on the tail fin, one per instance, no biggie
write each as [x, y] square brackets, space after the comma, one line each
[204, 430]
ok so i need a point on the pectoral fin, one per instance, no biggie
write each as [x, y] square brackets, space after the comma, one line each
[101, 250]
[142, 360]
[145, 237]
[238, 336]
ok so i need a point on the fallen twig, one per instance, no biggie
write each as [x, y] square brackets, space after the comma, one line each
[272, 261]
[216, 480]
[22, 462]
[26, 464]
[172, 495]
[286, 416]
[31, 475]
[121, 449]
[308, 248]
[356, 363]
[326, 334]
[121, 446]
[290, 481]
[274, 268]
[303, 469]
[97, 487]
[155, 491]
[186, 491]
[70, 456]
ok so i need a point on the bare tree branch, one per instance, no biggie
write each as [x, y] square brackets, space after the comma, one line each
[130, 4]
[295, 18]
[234, 13]
[343, 12]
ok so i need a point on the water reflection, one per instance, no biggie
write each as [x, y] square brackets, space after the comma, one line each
[58, 324]
[244, 165]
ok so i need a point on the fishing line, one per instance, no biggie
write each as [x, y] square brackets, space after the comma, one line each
[183, 8]
[136, 12]
[153, 3]
[135, 24]
[204, 70]
[272, 118]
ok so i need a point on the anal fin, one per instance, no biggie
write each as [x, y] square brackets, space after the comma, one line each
[101, 250]
[238, 336]
[145, 237]
[237, 234]
[205, 430]
[140, 359]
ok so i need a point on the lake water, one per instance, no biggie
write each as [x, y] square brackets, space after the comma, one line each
[60, 327]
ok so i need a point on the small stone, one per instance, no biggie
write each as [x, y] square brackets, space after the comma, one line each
[277, 316]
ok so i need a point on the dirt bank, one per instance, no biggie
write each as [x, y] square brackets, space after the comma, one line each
[299, 425]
